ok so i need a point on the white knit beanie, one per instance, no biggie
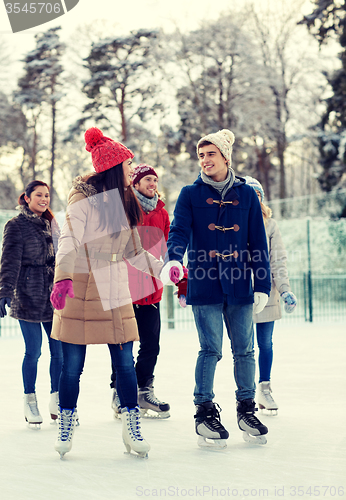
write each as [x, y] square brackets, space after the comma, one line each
[223, 140]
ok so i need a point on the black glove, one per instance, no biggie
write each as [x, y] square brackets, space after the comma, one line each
[3, 302]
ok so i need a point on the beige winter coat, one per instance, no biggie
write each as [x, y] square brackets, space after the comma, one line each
[101, 311]
[279, 275]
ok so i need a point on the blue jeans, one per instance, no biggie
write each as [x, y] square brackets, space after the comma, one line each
[73, 364]
[32, 333]
[239, 325]
[265, 345]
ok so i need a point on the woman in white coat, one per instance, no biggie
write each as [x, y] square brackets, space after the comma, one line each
[280, 288]
[91, 293]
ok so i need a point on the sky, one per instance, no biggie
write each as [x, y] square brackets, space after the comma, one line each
[129, 15]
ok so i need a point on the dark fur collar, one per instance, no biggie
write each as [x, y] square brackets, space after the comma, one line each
[81, 185]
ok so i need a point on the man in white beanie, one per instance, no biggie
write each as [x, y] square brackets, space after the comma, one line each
[218, 220]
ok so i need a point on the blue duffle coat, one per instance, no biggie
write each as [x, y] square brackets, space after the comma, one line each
[226, 243]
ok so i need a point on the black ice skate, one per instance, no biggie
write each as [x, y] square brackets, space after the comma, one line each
[253, 430]
[211, 433]
[148, 401]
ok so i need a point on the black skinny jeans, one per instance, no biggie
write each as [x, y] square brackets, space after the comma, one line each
[149, 326]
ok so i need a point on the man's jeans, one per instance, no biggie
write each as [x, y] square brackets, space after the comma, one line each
[32, 333]
[122, 360]
[265, 345]
[239, 325]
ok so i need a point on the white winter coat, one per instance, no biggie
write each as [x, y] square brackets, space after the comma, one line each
[101, 311]
[279, 275]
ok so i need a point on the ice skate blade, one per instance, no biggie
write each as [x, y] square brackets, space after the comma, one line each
[148, 413]
[36, 426]
[216, 444]
[137, 455]
[249, 438]
[117, 416]
[271, 413]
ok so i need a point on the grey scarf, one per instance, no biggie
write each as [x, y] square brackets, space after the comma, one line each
[147, 204]
[223, 186]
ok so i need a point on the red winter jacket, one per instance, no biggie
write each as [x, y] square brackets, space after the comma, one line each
[153, 232]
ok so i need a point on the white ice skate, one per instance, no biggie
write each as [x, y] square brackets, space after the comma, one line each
[116, 405]
[253, 430]
[150, 406]
[31, 411]
[67, 424]
[132, 437]
[211, 433]
[54, 406]
[265, 400]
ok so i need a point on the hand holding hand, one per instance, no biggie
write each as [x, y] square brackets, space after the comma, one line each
[4, 301]
[290, 301]
[59, 292]
[172, 272]
[261, 300]
[182, 284]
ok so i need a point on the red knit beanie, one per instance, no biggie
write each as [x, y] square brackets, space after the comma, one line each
[105, 153]
[141, 171]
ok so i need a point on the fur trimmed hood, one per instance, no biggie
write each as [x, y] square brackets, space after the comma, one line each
[80, 185]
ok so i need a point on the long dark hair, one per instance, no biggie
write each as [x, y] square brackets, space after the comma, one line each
[48, 214]
[113, 178]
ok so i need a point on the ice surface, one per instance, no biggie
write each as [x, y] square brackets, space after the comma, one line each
[306, 441]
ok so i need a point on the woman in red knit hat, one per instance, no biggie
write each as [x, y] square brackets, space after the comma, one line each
[91, 293]
[146, 292]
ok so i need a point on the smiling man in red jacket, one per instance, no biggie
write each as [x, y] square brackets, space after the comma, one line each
[146, 292]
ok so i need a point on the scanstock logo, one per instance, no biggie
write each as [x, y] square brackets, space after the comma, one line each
[24, 14]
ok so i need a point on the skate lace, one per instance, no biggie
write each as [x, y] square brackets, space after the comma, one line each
[151, 398]
[116, 400]
[133, 422]
[214, 419]
[32, 403]
[67, 418]
[251, 419]
[268, 397]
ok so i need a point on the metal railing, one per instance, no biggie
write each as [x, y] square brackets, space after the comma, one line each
[320, 298]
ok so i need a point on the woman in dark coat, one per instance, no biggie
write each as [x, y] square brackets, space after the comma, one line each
[26, 279]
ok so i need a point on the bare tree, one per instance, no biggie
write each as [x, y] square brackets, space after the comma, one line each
[289, 67]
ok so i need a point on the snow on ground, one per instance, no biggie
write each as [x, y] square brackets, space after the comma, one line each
[305, 455]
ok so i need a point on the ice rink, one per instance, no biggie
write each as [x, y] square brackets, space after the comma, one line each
[305, 456]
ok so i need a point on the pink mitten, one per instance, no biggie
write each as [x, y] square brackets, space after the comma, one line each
[174, 274]
[59, 292]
